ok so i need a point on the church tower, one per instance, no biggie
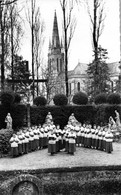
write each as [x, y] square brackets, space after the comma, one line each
[55, 54]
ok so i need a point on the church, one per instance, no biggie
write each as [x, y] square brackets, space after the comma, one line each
[76, 77]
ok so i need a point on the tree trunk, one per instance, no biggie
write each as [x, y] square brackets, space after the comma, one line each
[66, 52]
[2, 50]
[32, 34]
[12, 49]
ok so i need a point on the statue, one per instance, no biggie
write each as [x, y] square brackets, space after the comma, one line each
[118, 122]
[112, 122]
[8, 120]
[27, 87]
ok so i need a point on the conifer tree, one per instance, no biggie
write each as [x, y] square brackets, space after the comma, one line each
[98, 74]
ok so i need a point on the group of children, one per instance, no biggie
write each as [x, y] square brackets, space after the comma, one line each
[51, 136]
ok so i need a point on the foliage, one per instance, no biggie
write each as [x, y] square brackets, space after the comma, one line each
[114, 98]
[7, 98]
[17, 98]
[38, 115]
[3, 113]
[19, 115]
[83, 186]
[98, 74]
[100, 118]
[21, 72]
[101, 98]
[60, 100]
[40, 101]
[98, 114]
[5, 136]
[80, 98]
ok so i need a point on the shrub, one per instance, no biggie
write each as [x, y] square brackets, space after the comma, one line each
[17, 98]
[40, 101]
[114, 98]
[5, 135]
[80, 98]
[60, 100]
[101, 98]
[7, 98]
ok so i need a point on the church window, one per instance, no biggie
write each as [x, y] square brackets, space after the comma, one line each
[54, 42]
[57, 65]
[78, 86]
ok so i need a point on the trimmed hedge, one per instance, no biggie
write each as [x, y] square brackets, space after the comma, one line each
[60, 100]
[94, 114]
[40, 101]
[80, 98]
[7, 98]
[17, 98]
[114, 98]
[101, 98]
[19, 115]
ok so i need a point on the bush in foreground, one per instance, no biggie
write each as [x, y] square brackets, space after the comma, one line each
[60, 100]
[5, 135]
[80, 98]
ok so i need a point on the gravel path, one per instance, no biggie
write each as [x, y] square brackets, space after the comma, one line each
[83, 157]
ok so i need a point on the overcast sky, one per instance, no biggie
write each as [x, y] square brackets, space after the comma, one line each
[81, 45]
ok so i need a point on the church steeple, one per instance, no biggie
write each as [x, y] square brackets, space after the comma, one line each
[55, 34]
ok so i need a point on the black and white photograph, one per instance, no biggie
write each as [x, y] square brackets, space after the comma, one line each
[60, 97]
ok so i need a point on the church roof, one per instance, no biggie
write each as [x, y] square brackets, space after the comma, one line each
[114, 67]
[80, 70]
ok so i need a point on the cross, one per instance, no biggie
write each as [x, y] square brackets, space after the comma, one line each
[30, 81]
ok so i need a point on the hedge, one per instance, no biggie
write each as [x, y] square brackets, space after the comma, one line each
[80, 98]
[94, 114]
[101, 98]
[40, 101]
[114, 98]
[60, 100]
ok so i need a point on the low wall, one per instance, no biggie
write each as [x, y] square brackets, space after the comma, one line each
[62, 181]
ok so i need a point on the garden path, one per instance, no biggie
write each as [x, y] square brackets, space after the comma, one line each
[42, 160]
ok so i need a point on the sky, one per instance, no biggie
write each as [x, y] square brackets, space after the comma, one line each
[81, 44]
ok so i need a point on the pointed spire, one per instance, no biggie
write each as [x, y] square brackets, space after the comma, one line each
[55, 34]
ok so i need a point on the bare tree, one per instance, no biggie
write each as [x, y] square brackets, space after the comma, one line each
[53, 85]
[69, 25]
[37, 28]
[11, 32]
[2, 5]
[97, 17]
[38, 43]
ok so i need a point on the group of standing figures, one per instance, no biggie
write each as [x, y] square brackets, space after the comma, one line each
[56, 140]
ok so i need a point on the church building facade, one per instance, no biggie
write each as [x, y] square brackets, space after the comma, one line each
[77, 77]
[56, 61]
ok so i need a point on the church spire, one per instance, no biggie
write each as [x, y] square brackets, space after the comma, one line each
[55, 34]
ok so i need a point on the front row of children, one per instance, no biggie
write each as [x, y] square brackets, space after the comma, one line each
[51, 136]
[27, 140]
